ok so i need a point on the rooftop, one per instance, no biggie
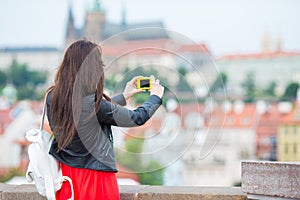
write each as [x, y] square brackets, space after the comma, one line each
[261, 55]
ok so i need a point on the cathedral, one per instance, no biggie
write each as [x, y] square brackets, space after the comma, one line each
[97, 28]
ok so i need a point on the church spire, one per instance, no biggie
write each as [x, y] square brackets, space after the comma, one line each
[71, 33]
[123, 13]
[266, 43]
[279, 43]
[97, 7]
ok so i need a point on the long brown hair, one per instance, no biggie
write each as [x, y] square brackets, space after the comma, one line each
[80, 74]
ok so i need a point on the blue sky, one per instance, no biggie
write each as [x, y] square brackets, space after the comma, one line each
[225, 26]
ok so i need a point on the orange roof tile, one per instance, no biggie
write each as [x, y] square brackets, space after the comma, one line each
[5, 119]
[258, 55]
[150, 47]
[232, 119]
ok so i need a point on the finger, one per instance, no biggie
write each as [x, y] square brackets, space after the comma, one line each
[152, 78]
[134, 79]
[138, 91]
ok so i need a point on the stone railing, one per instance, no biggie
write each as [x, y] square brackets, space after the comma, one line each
[271, 180]
[137, 192]
[260, 180]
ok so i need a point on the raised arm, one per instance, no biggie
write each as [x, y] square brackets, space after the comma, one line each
[112, 114]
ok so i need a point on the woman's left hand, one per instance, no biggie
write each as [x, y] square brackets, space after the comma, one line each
[131, 88]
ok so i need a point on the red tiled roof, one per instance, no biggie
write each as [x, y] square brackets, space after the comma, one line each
[232, 119]
[184, 109]
[5, 119]
[258, 55]
[150, 47]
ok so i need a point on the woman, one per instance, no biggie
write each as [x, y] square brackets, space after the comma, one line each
[81, 116]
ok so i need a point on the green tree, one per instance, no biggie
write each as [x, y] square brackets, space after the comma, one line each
[131, 158]
[182, 84]
[151, 173]
[26, 81]
[249, 86]
[290, 93]
[111, 82]
[182, 70]
[270, 90]
[18, 74]
[219, 83]
[3, 79]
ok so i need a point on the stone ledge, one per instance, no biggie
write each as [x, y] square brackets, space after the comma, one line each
[269, 180]
[180, 192]
[16, 192]
[137, 192]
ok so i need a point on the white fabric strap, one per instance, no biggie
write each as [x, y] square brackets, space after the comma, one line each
[66, 178]
[44, 112]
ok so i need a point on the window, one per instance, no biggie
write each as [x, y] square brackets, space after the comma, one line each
[286, 129]
[295, 148]
[286, 148]
[229, 120]
[266, 141]
[295, 129]
[246, 120]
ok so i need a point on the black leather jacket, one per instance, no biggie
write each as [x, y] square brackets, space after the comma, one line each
[92, 146]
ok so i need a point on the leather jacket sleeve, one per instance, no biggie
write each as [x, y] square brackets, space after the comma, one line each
[119, 99]
[115, 115]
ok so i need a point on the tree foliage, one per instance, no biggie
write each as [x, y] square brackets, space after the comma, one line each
[290, 93]
[249, 86]
[219, 83]
[150, 173]
[270, 90]
[3, 79]
[182, 85]
[150, 176]
[24, 80]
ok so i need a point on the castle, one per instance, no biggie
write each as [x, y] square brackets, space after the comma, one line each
[125, 45]
[97, 28]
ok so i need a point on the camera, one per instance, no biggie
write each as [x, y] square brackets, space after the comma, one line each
[144, 83]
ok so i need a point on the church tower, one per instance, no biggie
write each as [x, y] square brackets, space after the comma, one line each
[279, 44]
[266, 43]
[123, 22]
[94, 22]
[71, 33]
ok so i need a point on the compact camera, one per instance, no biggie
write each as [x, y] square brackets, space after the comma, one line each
[144, 83]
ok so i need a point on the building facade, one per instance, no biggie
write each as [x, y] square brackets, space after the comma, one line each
[288, 136]
[279, 67]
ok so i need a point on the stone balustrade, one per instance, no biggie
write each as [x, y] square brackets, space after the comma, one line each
[137, 192]
[271, 180]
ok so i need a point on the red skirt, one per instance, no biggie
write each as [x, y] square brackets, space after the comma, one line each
[89, 184]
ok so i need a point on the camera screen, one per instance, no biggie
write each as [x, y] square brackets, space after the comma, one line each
[144, 83]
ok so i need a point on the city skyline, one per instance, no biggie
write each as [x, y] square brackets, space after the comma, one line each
[234, 27]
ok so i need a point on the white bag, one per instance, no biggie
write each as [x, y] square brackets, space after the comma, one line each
[43, 168]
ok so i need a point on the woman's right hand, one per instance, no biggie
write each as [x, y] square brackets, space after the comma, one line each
[156, 89]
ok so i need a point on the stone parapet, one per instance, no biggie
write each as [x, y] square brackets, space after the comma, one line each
[270, 180]
[138, 192]
[143, 192]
